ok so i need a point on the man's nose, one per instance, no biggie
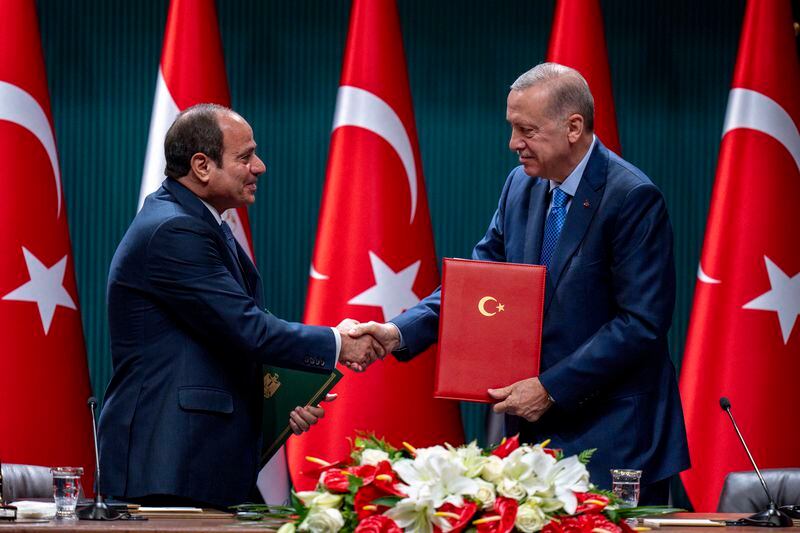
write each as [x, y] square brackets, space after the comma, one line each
[257, 166]
[515, 144]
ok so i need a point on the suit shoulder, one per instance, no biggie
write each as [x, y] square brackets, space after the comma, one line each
[625, 177]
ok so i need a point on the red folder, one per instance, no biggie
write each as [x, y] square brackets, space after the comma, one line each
[490, 327]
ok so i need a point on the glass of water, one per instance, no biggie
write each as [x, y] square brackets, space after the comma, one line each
[66, 488]
[625, 484]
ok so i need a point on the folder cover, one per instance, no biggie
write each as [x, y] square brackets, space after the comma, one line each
[490, 327]
[285, 389]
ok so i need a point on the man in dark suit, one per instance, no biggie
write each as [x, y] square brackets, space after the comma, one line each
[602, 229]
[189, 331]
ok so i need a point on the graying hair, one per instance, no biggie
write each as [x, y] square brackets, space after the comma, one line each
[569, 92]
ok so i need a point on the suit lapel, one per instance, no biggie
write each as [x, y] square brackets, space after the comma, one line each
[194, 206]
[581, 211]
[534, 229]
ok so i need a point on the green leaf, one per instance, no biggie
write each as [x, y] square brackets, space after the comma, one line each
[388, 501]
[636, 512]
[354, 483]
[586, 455]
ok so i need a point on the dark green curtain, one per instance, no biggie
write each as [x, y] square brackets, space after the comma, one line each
[671, 66]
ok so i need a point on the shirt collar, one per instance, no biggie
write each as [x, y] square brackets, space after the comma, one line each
[570, 185]
[214, 212]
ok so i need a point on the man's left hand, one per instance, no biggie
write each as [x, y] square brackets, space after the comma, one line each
[527, 398]
[302, 418]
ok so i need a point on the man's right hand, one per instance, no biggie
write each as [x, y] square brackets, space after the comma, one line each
[386, 334]
[358, 352]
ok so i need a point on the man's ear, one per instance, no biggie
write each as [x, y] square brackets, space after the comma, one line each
[575, 125]
[201, 165]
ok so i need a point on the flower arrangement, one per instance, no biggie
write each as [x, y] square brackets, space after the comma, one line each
[443, 489]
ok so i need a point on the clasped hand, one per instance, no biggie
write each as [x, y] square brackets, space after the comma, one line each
[363, 344]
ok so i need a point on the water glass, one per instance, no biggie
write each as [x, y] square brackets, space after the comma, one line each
[625, 484]
[66, 488]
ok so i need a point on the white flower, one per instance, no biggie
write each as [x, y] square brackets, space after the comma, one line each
[470, 457]
[371, 456]
[528, 468]
[288, 527]
[435, 474]
[511, 489]
[417, 516]
[322, 521]
[492, 470]
[570, 476]
[319, 500]
[530, 518]
[486, 493]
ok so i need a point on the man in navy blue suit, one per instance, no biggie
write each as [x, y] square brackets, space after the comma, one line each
[189, 332]
[601, 227]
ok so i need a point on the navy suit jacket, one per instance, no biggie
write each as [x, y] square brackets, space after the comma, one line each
[189, 333]
[609, 299]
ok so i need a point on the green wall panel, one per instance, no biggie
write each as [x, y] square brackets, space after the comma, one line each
[671, 65]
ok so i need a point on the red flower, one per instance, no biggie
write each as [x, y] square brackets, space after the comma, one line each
[506, 509]
[335, 480]
[589, 502]
[585, 523]
[552, 452]
[507, 446]
[365, 496]
[365, 472]
[377, 524]
[465, 513]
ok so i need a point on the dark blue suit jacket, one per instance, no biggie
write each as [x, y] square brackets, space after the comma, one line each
[609, 300]
[189, 332]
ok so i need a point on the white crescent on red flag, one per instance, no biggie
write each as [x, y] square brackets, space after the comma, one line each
[578, 41]
[44, 384]
[743, 340]
[192, 71]
[374, 254]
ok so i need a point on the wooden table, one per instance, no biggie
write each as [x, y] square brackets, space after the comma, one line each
[199, 525]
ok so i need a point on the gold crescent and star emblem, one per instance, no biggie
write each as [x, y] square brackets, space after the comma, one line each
[482, 306]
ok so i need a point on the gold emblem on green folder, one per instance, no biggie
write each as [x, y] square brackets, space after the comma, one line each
[271, 383]
[285, 389]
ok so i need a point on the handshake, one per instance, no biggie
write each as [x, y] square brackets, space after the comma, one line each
[363, 344]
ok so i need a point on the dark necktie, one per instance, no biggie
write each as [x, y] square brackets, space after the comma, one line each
[553, 225]
[240, 275]
[229, 239]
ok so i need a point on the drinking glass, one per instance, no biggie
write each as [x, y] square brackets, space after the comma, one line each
[66, 488]
[625, 484]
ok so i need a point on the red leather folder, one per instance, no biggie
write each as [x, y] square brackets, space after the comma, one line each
[490, 327]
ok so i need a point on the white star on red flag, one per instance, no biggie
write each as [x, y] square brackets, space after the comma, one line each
[45, 288]
[392, 291]
[783, 298]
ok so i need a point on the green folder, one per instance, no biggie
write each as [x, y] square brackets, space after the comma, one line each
[285, 389]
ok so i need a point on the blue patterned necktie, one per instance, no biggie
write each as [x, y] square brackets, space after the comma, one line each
[553, 225]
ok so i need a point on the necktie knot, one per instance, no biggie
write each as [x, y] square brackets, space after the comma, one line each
[560, 198]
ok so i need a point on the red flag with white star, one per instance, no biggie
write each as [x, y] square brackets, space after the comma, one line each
[374, 254]
[578, 41]
[743, 341]
[44, 384]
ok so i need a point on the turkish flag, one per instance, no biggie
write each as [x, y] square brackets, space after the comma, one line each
[192, 72]
[743, 342]
[44, 384]
[374, 255]
[577, 40]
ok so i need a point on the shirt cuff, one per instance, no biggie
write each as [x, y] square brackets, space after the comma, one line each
[400, 335]
[338, 337]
